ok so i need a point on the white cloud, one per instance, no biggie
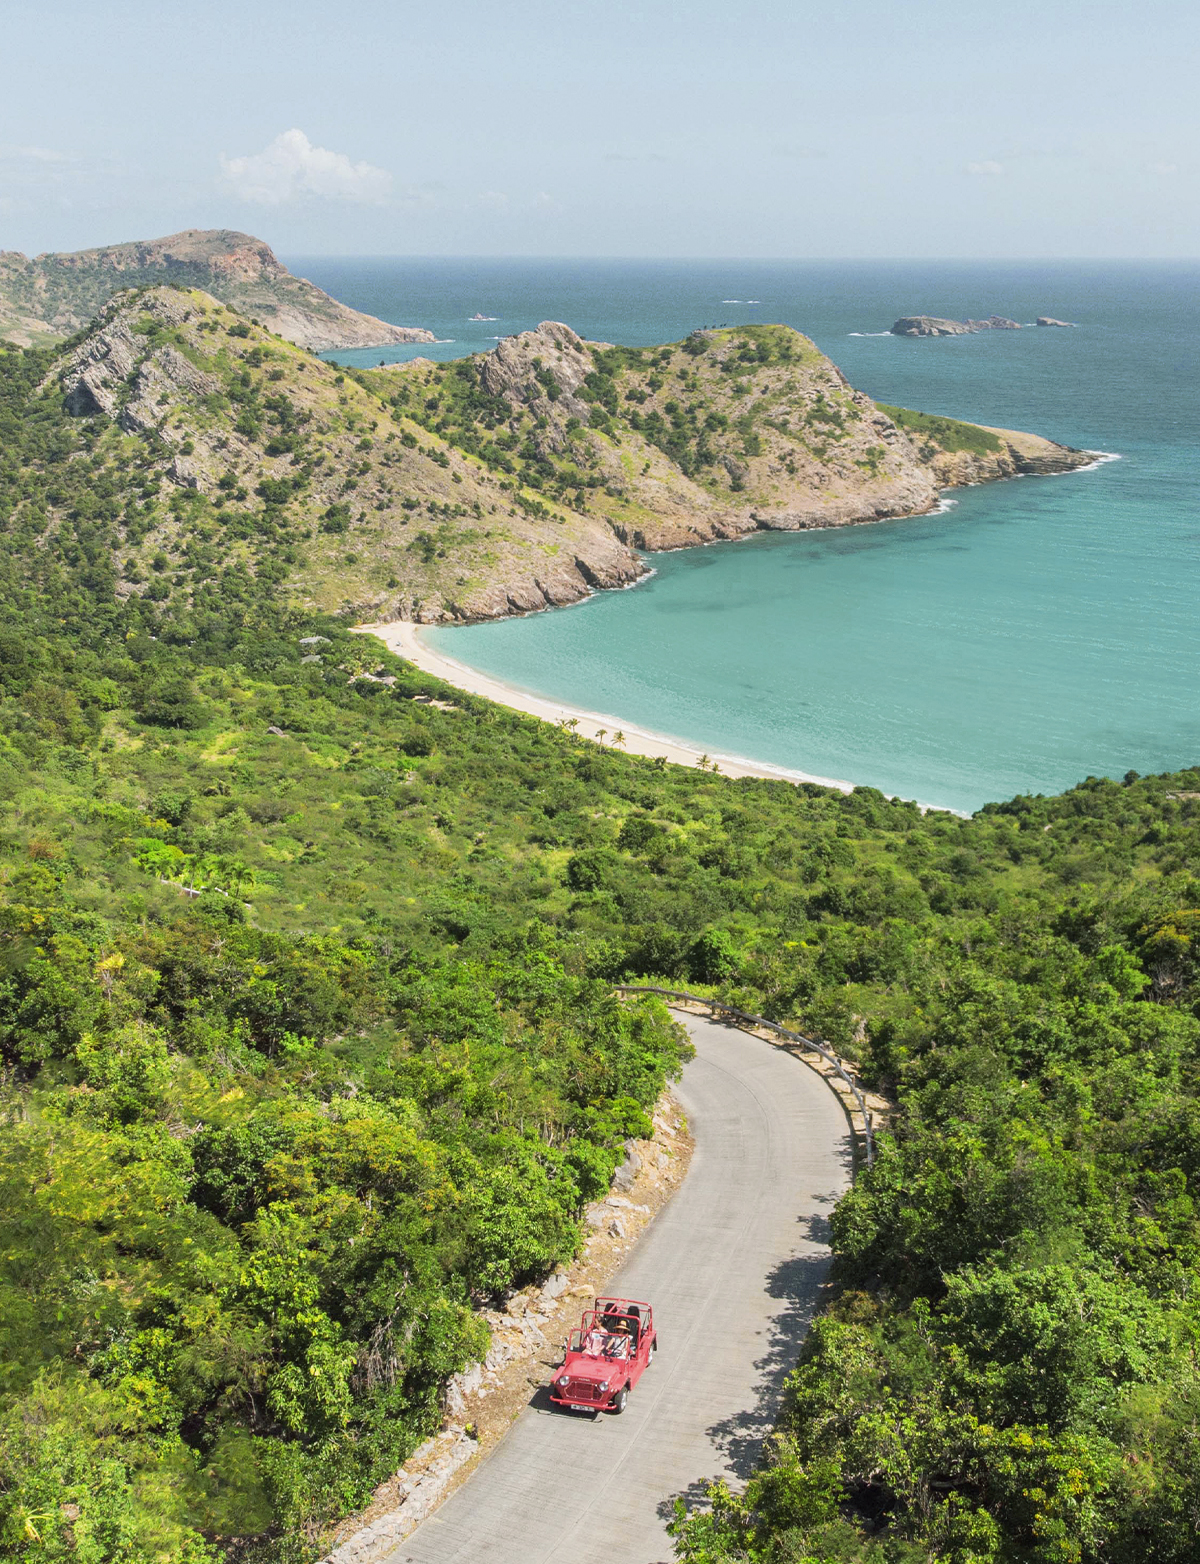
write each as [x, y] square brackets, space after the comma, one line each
[988, 166]
[1163, 168]
[291, 168]
[33, 155]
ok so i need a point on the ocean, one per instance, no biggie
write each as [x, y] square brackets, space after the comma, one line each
[1034, 633]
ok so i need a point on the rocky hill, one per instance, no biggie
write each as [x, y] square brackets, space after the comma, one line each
[53, 296]
[508, 482]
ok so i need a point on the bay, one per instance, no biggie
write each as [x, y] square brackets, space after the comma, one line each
[1037, 632]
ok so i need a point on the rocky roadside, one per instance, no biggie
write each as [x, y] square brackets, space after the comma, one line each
[483, 1402]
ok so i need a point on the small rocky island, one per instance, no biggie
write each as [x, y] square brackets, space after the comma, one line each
[935, 326]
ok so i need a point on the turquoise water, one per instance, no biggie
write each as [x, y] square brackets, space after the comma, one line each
[1038, 632]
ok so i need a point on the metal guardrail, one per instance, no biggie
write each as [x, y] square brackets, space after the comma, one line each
[810, 1044]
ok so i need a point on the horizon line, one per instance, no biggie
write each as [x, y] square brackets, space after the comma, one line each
[743, 260]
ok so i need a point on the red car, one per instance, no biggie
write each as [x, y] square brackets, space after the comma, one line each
[606, 1356]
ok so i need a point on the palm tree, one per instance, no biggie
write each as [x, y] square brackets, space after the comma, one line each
[619, 738]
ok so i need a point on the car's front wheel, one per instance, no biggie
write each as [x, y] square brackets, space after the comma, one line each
[621, 1399]
[653, 1353]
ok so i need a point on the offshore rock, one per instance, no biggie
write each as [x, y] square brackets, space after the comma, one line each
[1049, 320]
[929, 326]
[935, 326]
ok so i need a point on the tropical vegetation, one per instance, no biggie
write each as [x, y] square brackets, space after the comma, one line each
[310, 1051]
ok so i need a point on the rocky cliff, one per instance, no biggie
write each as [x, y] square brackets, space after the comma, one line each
[55, 296]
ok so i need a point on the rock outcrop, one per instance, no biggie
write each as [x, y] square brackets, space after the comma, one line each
[929, 326]
[1049, 320]
[935, 326]
[112, 373]
[541, 370]
[1021, 455]
[55, 295]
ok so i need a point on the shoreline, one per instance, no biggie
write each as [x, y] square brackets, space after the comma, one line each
[403, 638]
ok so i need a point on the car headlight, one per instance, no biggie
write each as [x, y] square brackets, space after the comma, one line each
[602, 1386]
[562, 1379]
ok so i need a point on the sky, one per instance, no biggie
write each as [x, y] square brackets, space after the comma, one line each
[772, 128]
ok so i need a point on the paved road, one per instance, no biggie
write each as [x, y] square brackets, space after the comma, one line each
[732, 1267]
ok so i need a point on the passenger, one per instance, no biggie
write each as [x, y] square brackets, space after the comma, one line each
[595, 1342]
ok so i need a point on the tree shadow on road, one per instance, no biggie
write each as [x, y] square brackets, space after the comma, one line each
[801, 1282]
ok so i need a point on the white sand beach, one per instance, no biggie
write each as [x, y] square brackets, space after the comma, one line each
[404, 639]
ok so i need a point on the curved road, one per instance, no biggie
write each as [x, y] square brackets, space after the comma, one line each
[732, 1266]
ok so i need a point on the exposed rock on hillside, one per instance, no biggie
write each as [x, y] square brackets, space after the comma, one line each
[110, 371]
[56, 295]
[541, 370]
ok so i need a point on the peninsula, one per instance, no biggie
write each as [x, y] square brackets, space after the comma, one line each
[511, 481]
[53, 296]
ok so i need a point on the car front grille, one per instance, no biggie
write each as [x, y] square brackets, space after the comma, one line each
[583, 1390]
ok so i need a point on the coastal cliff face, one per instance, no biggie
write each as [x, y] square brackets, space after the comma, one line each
[53, 296]
[507, 483]
[1021, 455]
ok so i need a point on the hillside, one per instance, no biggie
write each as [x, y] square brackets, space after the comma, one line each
[309, 1052]
[506, 482]
[269, 1150]
[729, 432]
[53, 296]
